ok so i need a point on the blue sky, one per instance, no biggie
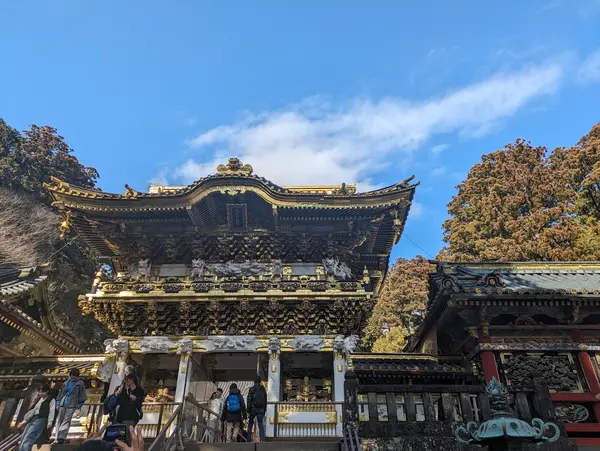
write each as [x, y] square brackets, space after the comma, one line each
[307, 92]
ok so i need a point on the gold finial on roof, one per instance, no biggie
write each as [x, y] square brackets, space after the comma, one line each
[65, 226]
[130, 192]
[234, 166]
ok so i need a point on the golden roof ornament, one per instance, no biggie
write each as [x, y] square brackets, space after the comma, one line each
[130, 192]
[65, 226]
[234, 166]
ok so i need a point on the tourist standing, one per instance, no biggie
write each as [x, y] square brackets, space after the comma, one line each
[215, 405]
[234, 412]
[130, 397]
[38, 418]
[70, 398]
[257, 405]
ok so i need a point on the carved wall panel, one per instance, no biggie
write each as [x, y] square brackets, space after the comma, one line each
[558, 369]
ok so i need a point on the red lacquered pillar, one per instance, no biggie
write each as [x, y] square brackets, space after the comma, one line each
[489, 365]
[585, 360]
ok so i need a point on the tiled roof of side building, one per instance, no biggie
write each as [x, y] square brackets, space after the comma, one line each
[581, 278]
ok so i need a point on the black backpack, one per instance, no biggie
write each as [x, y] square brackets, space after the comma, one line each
[260, 398]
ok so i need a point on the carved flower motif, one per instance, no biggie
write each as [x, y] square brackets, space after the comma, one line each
[259, 285]
[173, 287]
[113, 287]
[290, 286]
[320, 285]
[202, 287]
[144, 288]
[348, 286]
[231, 287]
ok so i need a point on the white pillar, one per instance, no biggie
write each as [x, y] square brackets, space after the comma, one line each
[274, 384]
[184, 349]
[120, 348]
[340, 367]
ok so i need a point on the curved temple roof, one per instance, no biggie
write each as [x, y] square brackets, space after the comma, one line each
[233, 178]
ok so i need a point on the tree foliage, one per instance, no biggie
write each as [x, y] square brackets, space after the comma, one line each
[29, 227]
[28, 160]
[402, 301]
[521, 203]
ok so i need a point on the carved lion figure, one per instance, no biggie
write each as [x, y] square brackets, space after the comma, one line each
[351, 343]
[143, 269]
[274, 345]
[198, 268]
[337, 269]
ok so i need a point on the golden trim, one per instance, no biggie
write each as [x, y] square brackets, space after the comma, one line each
[331, 417]
[283, 417]
[395, 357]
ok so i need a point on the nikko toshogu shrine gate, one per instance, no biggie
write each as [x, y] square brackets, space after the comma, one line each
[233, 277]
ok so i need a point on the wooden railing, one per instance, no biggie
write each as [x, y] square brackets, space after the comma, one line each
[307, 419]
[9, 407]
[432, 410]
[406, 403]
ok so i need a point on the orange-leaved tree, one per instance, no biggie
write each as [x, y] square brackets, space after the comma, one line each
[520, 204]
[401, 304]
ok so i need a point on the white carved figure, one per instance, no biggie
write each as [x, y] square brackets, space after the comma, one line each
[307, 343]
[351, 343]
[233, 269]
[234, 343]
[339, 344]
[108, 346]
[339, 270]
[155, 344]
[143, 269]
[185, 346]
[274, 345]
[105, 369]
[198, 267]
[119, 346]
[277, 269]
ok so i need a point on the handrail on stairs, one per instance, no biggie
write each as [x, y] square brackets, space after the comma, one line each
[351, 441]
[161, 442]
[10, 441]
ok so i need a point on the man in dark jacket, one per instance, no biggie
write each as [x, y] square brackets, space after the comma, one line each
[257, 405]
[70, 398]
[38, 418]
[130, 397]
[234, 412]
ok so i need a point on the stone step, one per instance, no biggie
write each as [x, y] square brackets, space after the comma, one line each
[266, 446]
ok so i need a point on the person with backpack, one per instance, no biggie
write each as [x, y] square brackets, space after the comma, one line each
[257, 405]
[37, 419]
[70, 398]
[234, 412]
[130, 397]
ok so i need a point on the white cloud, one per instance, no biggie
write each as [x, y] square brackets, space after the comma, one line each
[417, 210]
[438, 172]
[159, 179]
[436, 150]
[316, 143]
[589, 71]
